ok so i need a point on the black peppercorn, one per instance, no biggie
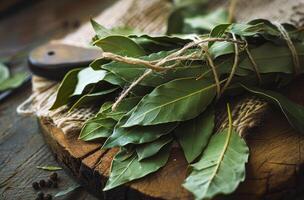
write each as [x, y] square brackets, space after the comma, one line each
[49, 183]
[42, 183]
[35, 185]
[54, 176]
[55, 184]
[48, 197]
[40, 195]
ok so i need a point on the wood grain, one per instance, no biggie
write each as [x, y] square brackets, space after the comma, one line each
[274, 171]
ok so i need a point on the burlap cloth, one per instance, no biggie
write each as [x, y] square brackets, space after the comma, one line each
[151, 16]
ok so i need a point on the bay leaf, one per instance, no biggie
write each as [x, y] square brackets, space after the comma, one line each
[194, 135]
[125, 106]
[68, 190]
[293, 112]
[221, 167]
[120, 45]
[126, 170]
[218, 31]
[91, 97]
[128, 72]
[66, 88]
[272, 58]
[149, 149]
[102, 125]
[4, 73]
[86, 77]
[186, 3]
[208, 21]
[14, 81]
[100, 31]
[49, 168]
[177, 100]
[96, 128]
[154, 44]
[122, 136]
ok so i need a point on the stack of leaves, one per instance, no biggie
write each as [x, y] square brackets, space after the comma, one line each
[154, 91]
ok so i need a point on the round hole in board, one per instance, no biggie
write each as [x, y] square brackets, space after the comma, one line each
[51, 53]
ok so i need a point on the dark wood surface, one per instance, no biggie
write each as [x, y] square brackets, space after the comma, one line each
[22, 147]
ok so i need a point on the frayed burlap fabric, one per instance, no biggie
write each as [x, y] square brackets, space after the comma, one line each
[150, 16]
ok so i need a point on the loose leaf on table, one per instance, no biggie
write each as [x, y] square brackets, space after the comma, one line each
[194, 135]
[4, 73]
[149, 149]
[120, 45]
[126, 170]
[177, 100]
[293, 112]
[137, 134]
[86, 77]
[68, 190]
[49, 168]
[89, 98]
[14, 81]
[221, 167]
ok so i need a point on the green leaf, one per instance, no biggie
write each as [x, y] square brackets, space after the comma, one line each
[293, 112]
[4, 73]
[66, 88]
[177, 100]
[14, 81]
[272, 58]
[102, 125]
[101, 32]
[220, 49]
[221, 167]
[208, 21]
[126, 170]
[194, 135]
[125, 106]
[149, 149]
[125, 30]
[186, 3]
[49, 168]
[96, 128]
[122, 136]
[86, 77]
[89, 98]
[68, 190]
[120, 45]
[153, 44]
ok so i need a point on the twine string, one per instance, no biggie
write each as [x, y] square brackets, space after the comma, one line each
[292, 48]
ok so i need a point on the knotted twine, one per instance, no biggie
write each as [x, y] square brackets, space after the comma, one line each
[150, 16]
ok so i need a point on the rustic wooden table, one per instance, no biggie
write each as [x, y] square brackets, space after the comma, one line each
[22, 147]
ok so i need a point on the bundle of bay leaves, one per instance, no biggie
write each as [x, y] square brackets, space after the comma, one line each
[155, 91]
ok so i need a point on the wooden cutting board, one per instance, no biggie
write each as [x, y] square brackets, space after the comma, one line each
[274, 171]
